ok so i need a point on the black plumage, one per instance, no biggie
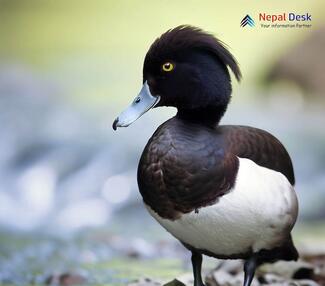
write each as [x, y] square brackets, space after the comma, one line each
[191, 161]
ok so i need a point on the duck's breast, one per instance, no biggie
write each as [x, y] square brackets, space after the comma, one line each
[184, 167]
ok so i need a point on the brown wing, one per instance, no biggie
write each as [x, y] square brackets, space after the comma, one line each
[185, 167]
[259, 146]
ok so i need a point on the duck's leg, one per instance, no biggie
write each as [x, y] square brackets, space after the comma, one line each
[249, 269]
[197, 266]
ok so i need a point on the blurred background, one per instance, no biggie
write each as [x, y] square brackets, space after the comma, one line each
[70, 211]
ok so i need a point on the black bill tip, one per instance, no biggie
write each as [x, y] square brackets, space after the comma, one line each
[115, 124]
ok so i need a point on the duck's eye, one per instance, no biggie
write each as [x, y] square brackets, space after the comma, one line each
[167, 67]
[137, 100]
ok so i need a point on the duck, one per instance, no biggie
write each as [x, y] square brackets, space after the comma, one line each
[224, 191]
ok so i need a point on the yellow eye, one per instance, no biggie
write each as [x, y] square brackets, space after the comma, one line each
[167, 67]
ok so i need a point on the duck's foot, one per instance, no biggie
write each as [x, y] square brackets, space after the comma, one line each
[249, 269]
[197, 265]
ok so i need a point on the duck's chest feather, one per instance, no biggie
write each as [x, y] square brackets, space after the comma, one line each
[185, 167]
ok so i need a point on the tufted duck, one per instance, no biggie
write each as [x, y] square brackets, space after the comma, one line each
[222, 190]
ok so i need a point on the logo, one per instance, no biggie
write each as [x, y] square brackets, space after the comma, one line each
[247, 20]
[280, 20]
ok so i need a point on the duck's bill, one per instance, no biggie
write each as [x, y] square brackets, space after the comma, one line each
[140, 105]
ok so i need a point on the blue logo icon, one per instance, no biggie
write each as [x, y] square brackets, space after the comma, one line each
[247, 20]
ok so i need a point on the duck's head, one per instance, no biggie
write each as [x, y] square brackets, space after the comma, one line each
[186, 68]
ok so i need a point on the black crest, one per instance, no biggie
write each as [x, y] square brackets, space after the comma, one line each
[185, 37]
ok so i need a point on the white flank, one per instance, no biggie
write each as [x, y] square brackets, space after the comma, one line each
[258, 213]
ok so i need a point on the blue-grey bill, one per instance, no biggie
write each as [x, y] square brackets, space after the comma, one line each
[140, 105]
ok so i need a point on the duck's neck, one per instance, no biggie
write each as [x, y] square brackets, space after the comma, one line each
[209, 116]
